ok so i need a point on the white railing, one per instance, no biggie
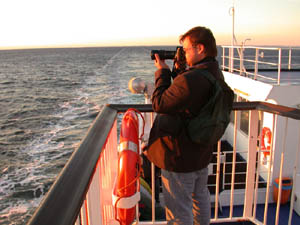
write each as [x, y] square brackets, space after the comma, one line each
[98, 209]
[251, 61]
[82, 194]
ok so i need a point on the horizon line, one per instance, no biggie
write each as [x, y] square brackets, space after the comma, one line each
[116, 45]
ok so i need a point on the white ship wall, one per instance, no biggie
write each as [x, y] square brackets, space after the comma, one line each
[286, 95]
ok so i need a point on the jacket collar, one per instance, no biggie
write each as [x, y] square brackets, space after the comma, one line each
[204, 63]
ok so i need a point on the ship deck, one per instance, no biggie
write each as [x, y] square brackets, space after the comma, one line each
[238, 212]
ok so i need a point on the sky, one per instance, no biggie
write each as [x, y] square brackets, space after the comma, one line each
[66, 23]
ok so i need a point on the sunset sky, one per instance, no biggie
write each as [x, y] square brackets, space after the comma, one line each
[36, 23]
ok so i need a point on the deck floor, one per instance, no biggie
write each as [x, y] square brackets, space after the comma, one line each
[283, 215]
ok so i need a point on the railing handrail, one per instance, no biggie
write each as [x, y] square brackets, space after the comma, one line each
[275, 62]
[63, 201]
[261, 47]
[253, 47]
[285, 111]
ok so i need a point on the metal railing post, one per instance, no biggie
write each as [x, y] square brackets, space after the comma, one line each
[294, 183]
[256, 63]
[217, 179]
[281, 172]
[290, 59]
[231, 56]
[279, 66]
[233, 164]
[242, 60]
[223, 59]
[261, 114]
[274, 124]
[251, 165]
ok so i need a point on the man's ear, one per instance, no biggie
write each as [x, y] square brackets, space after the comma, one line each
[200, 49]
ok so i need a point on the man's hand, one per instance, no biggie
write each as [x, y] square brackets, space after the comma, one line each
[160, 64]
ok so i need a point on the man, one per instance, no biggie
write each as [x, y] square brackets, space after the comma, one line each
[183, 162]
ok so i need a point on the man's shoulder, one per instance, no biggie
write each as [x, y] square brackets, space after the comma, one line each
[193, 74]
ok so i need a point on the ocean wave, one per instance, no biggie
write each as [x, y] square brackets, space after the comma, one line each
[55, 96]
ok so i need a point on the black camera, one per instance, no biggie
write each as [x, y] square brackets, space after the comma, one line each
[163, 54]
[178, 56]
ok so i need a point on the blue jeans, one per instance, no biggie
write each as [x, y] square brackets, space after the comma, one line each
[186, 197]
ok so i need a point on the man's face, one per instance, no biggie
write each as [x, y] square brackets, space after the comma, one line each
[193, 53]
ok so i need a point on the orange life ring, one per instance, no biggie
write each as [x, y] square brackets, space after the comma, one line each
[266, 145]
[126, 189]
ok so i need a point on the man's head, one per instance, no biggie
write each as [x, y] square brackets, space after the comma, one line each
[198, 43]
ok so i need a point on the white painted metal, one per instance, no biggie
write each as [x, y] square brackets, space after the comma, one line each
[233, 165]
[290, 58]
[93, 199]
[294, 182]
[280, 172]
[84, 216]
[153, 190]
[251, 163]
[77, 221]
[279, 66]
[256, 63]
[217, 179]
[258, 167]
[270, 169]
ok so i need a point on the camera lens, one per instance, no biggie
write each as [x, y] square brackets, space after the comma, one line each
[163, 54]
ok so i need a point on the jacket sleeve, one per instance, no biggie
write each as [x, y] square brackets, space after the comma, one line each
[169, 97]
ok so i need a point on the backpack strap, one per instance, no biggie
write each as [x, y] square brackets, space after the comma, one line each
[208, 76]
[215, 84]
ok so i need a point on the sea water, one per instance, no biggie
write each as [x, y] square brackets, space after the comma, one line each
[48, 100]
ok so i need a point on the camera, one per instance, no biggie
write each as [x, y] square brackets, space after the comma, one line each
[163, 54]
[178, 56]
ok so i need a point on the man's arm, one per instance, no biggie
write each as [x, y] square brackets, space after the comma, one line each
[169, 97]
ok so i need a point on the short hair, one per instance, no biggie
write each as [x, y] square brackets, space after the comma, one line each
[202, 35]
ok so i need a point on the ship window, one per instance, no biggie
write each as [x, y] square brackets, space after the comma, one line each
[244, 122]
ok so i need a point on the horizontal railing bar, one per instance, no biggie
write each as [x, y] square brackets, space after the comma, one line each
[274, 69]
[239, 173]
[124, 107]
[229, 220]
[253, 61]
[268, 107]
[261, 62]
[229, 162]
[255, 105]
[295, 48]
[252, 47]
[229, 183]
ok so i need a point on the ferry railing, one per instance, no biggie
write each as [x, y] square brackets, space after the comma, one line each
[82, 192]
[252, 61]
